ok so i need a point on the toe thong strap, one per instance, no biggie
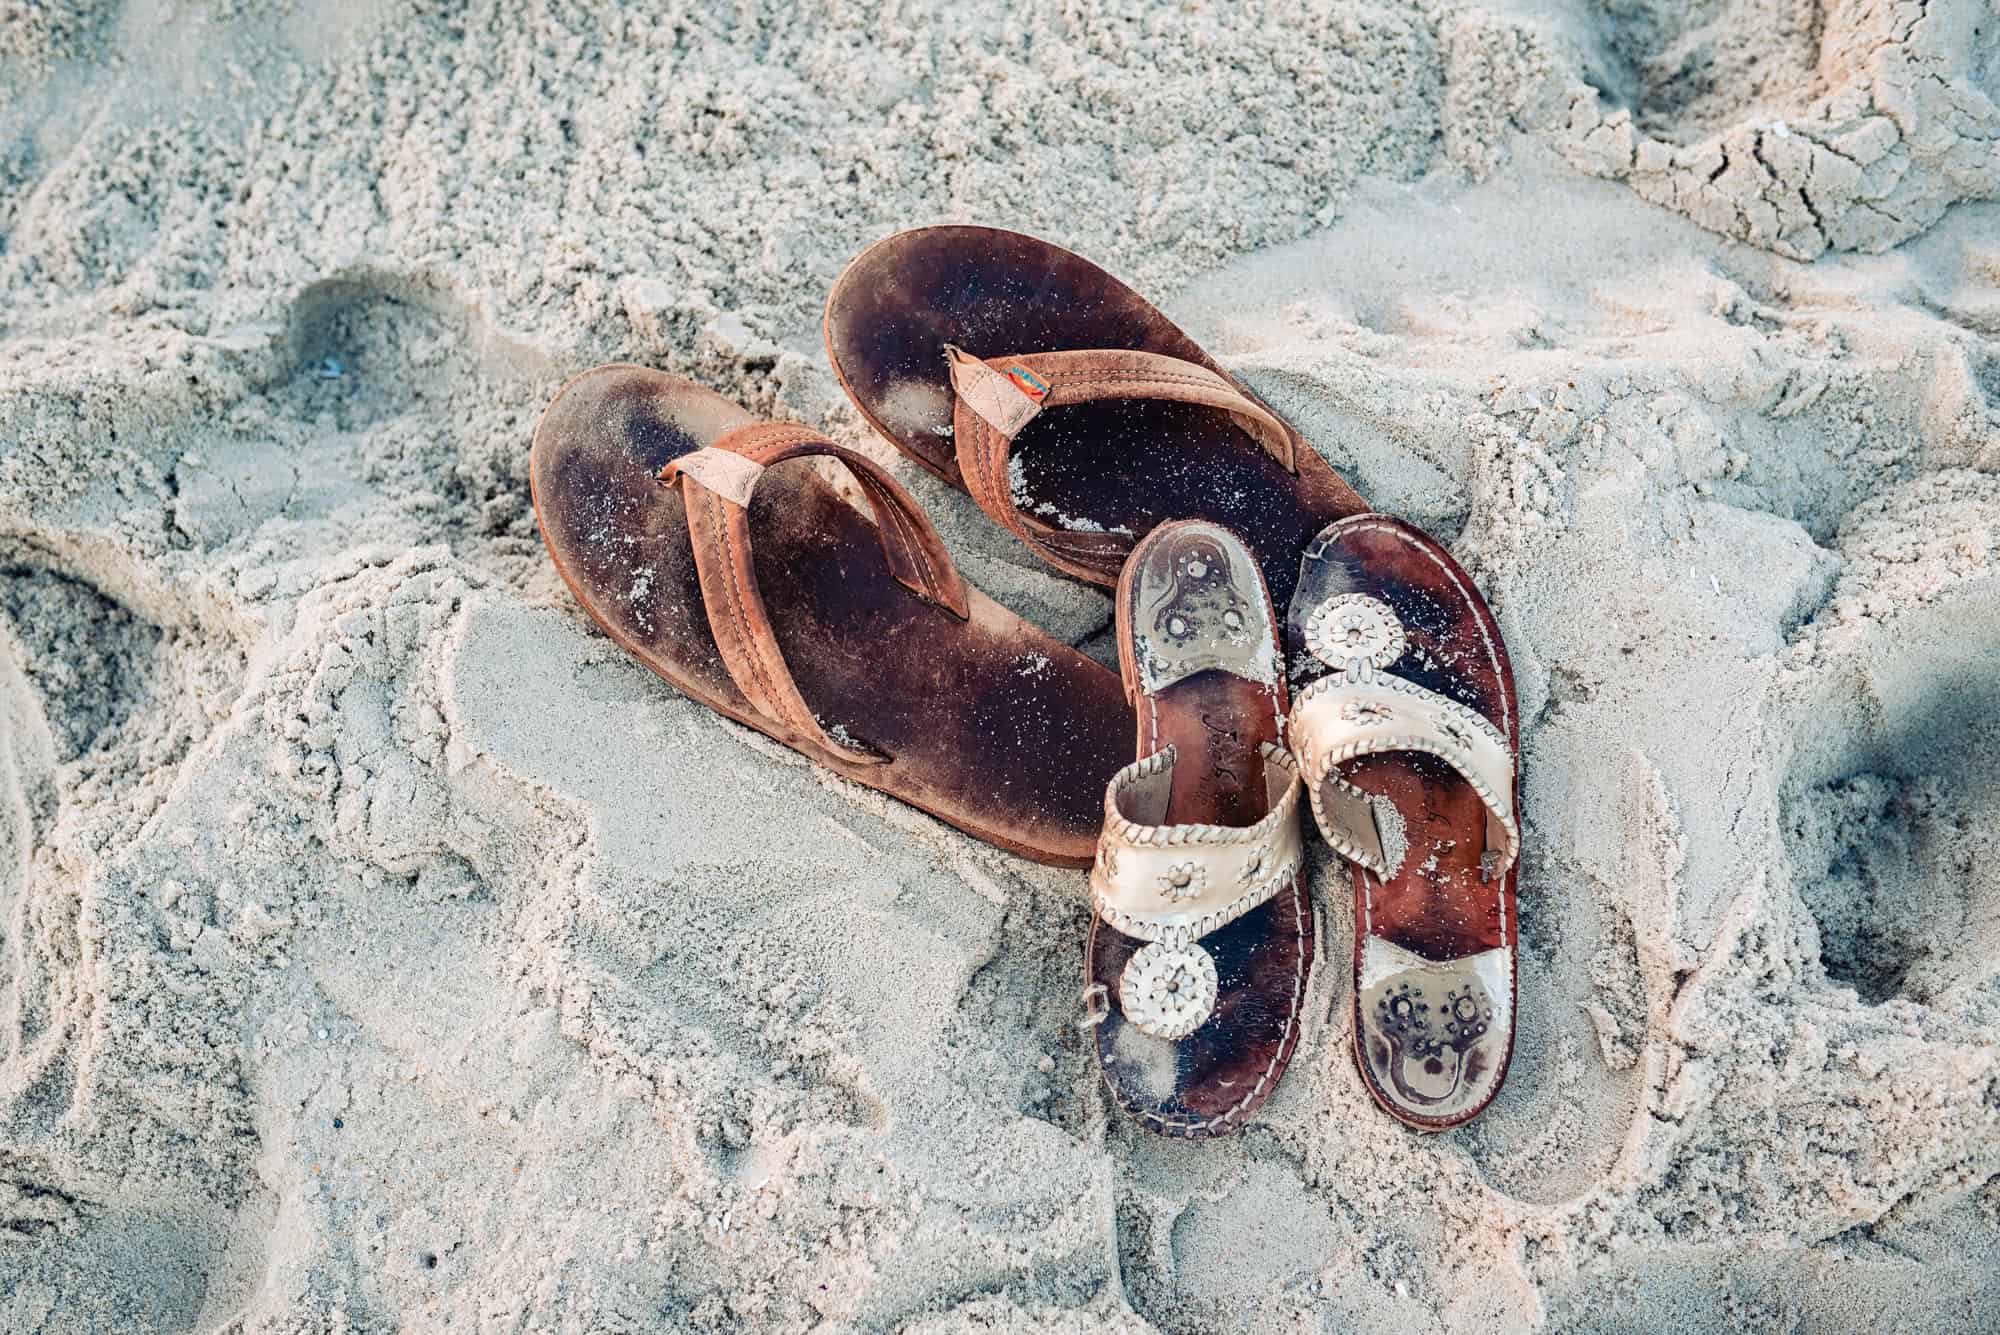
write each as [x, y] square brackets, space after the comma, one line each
[717, 482]
[1171, 885]
[996, 397]
[1342, 717]
[1360, 709]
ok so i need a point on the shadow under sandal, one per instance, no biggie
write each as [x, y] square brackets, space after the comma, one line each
[1072, 409]
[1203, 935]
[1408, 746]
[759, 592]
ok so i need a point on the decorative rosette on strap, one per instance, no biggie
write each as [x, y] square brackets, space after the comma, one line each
[1171, 885]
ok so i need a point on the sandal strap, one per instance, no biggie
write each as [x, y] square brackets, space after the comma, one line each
[1362, 711]
[997, 397]
[1178, 883]
[717, 483]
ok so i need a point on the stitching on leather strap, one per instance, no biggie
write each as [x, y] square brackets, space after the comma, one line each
[994, 449]
[746, 635]
[1088, 376]
[1241, 402]
[989, 455]
[788, 435]
[912, 538]
[907, 532]
[732, 616]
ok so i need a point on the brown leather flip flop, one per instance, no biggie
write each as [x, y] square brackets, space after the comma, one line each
[1196, 975]
[1072, 410]
[1408, 744]
[759, 592]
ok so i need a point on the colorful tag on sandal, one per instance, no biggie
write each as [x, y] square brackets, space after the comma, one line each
[1028, 383]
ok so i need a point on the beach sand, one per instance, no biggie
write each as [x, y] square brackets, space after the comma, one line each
[382, 949]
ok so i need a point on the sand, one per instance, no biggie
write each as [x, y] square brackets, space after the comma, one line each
[381, 949]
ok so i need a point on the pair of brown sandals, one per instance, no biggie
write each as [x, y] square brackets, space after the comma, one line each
[1080, 418]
